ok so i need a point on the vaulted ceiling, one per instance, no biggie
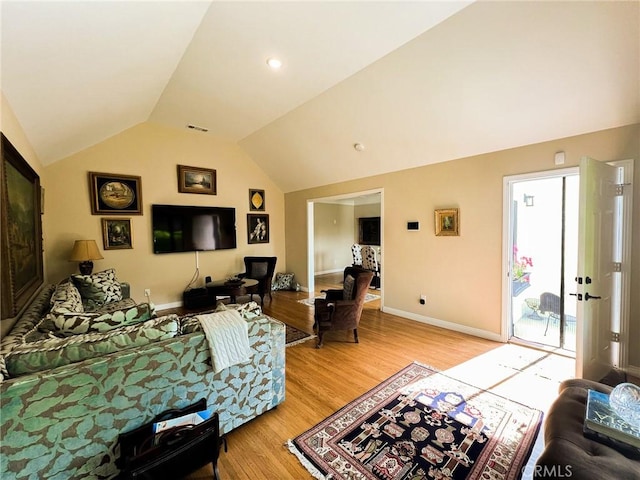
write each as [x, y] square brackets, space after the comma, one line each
[413, 82]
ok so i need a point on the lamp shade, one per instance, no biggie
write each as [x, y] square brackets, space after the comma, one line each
[84, 250]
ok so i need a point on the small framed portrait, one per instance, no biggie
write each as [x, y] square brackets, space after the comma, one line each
[196, 180]
[116, 233]
[447, 222]
[115, 194]
[257, 228]
[256, 200]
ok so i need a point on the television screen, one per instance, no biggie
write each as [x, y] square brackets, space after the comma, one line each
[179, 228]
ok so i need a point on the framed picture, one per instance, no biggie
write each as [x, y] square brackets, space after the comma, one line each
[447, 222]
[196, 180]
[369, 231]
[256, 200]
[113, 194]
[21, 240]
[257, 228]
[116, 233]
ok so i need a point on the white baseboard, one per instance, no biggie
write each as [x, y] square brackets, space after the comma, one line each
[335, 270]
[166, 306]
[456, 327]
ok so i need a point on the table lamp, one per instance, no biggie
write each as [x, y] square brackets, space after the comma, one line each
[84, 251]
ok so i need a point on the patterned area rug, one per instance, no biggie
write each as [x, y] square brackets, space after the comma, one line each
[296, 336]
[370, 297]
[421, 424]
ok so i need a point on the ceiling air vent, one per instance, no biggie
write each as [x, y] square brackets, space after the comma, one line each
[199, 129]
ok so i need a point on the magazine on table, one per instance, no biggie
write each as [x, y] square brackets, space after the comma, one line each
[184, 420]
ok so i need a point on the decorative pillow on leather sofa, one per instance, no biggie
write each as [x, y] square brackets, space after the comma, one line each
[98, 288]
[73, 323]
[52, 353]
[284, 281]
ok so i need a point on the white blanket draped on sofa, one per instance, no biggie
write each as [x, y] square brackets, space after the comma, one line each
[228, 336]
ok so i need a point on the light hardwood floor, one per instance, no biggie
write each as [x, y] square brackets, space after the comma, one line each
[320, 381]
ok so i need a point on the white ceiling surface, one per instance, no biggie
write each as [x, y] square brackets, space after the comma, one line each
[415, 82]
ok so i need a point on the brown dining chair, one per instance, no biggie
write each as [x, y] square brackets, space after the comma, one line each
[341, 309]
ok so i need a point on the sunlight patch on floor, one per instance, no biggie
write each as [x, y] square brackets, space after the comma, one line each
[523, 374]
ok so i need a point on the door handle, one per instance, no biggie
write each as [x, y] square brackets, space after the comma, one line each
[587, 297]
[579, 295]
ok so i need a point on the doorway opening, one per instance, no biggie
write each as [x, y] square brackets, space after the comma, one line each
[542, 246]
[332, 229]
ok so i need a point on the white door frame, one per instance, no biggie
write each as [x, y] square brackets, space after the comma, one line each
[620, 350]
[626, 179]
[507, 237]
[311, 283]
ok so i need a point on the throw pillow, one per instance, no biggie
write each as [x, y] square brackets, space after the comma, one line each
[52, 353]
[66, 298]
[348, 287]
[284, 281]
[74, 324]
[98, 288]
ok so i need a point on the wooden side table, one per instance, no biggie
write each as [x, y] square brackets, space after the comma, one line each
[233, 290]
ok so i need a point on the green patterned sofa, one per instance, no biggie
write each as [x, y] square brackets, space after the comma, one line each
[63, 422]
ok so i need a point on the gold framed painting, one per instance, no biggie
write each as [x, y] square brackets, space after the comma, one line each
[116, 233]
[21, 266]
[256, 200]
[114, 194]
[197, 180]
[447, 222]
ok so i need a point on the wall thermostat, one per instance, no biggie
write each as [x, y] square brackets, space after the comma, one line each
[413, 225]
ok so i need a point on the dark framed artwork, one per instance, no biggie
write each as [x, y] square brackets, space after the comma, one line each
[369, 231]
[196, 180]
[116, 233]
[257, 228]
[113, 194]
[21, 240]
[256, 200]
[447, 222]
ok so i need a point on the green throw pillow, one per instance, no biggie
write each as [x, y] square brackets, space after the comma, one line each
[74, 324]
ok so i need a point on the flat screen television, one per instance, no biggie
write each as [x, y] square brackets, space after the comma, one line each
[180, 228]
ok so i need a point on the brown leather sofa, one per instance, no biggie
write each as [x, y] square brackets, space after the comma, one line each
[568, 454]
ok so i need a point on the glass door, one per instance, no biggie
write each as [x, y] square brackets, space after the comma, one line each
[544, 260]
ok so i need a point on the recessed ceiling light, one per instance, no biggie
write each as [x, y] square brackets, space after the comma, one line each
[274, 63]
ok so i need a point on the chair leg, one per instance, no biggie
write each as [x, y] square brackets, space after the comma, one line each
[320, 335]
[355, 335]
[547, 327]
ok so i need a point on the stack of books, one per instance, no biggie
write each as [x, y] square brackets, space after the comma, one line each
[604, 425]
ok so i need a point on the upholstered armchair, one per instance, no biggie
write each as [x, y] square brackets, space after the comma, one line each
[261, 269]
[341, 309]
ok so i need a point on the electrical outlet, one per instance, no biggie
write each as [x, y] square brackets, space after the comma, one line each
[423, 299]
[147, 292]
